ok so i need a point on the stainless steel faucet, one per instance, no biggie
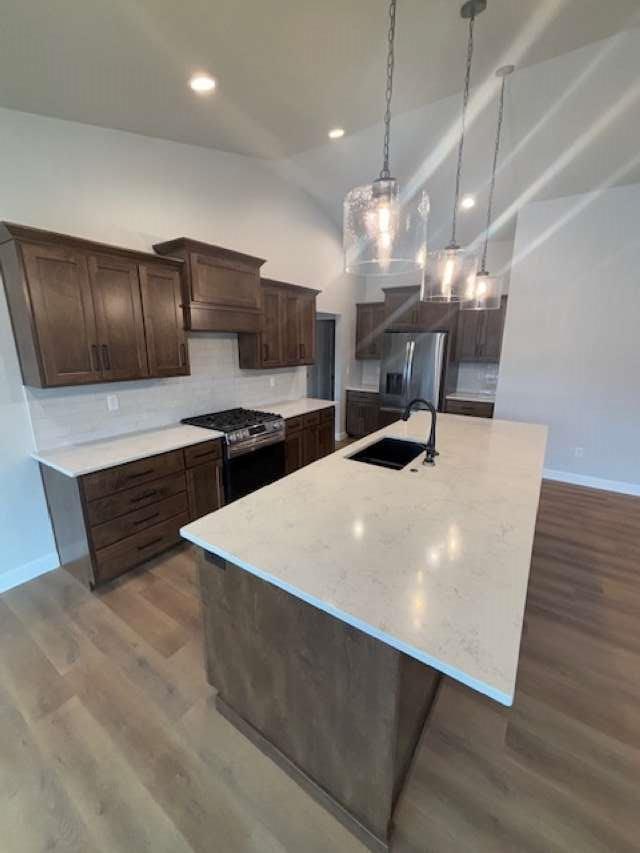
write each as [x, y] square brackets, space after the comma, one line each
[431, 451]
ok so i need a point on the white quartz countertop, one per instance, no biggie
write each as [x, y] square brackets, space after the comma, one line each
[368, 389]
[291, 409]
[433, 561]
[473, 396]
[79, 459]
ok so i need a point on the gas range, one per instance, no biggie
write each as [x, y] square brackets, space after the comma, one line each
[245, 430]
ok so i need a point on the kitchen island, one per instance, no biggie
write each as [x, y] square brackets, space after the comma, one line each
[334, 600]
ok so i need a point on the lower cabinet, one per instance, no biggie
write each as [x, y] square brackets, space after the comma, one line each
[474, 408]
[363, 413]
[308, 438]
[107, 522]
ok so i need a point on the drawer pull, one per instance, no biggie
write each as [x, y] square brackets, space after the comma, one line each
[140, 474]
[144, 496]
[148, 518]
[202, 455]
[149, 544]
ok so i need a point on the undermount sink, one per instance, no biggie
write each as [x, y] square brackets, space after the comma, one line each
[390, 453]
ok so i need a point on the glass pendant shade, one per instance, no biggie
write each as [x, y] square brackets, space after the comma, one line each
[484, 293]
[448, 274]
[384, 233]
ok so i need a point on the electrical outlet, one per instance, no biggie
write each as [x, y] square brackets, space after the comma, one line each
[113, 404]
[272, 381]
[578, 452]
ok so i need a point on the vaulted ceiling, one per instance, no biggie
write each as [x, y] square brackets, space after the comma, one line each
[288, 70]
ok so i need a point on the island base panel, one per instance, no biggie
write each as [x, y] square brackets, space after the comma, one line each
[340, 711]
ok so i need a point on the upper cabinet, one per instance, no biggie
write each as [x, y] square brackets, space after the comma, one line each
[286, 337]
[84, 312]
[479, 335]
[370, 324]
[221, 288]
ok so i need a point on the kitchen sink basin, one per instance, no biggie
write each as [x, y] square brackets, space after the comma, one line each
[390, 453]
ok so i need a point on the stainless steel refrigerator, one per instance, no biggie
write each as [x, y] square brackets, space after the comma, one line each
[413, 365]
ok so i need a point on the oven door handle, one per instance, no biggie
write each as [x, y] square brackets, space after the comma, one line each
[255, 443]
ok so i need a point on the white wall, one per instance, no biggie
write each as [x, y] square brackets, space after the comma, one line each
[133, 191]
[28, 547]
[571, 352]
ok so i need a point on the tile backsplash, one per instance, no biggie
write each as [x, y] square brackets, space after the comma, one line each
[370, 373]
[62, 416]
[477, 376]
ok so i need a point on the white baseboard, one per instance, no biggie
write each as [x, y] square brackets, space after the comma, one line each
[22, 574]
[340, 436]
[592, 482]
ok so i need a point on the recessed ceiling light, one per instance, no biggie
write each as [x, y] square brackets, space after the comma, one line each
[336, 133]
[468, 201]
[202, 83]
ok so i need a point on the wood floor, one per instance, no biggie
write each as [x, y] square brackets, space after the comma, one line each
[109, 740]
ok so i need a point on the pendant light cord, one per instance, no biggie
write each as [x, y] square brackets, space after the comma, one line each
[465, 101]
[385, 174]
[492, 185]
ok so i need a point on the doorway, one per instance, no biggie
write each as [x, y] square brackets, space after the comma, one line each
[321, 376]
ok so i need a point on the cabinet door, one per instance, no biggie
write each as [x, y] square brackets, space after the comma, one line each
[468, 335]
[204, 489]
[369, 328]
[402, 308]
[326, 439]
[293, 327]
[163, 320]
[311, 444]
[294, 452]
[272, 338]
[116, 295]
[307, 342]
[64, 314]
[490, 337]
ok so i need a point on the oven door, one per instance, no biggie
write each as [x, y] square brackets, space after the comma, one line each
[253, 470]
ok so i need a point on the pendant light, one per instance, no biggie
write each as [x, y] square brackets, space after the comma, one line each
[451, 270]
[485, 293]
[384, 231]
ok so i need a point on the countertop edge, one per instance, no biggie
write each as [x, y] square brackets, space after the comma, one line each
[347, 618]
[41, 457]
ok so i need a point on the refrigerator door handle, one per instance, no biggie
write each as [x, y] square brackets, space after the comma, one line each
[408, 369]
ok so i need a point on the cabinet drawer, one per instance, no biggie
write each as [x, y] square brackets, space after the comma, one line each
[470, 407]
[327, 415]
[106, 509]
[363, 397]
[312, 419]
[135, 522]
[198, 454]
[116, 559]
[294, 424]
[124, 476]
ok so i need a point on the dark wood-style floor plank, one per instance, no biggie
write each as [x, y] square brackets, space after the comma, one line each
[110, 740]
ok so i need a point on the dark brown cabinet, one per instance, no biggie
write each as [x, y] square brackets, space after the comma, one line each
[294, 449]
[115, 285]
[363, 413]
[221, 287]
[53, 313]
[288, 328]
[479, 334]
[107, 522]
[300, 326]
[402, 306]
[309, 437]
[272, 336]
[370, 324]
[474, 408]
[83, 312]
[166, 340]
[204, 488]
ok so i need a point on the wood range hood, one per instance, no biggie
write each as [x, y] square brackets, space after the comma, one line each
[220, 287]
